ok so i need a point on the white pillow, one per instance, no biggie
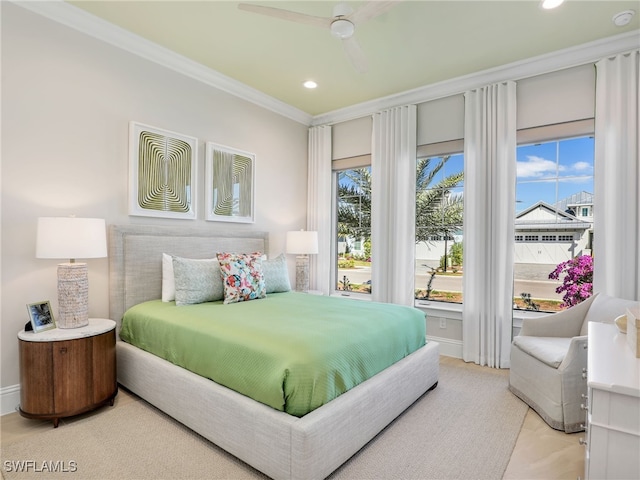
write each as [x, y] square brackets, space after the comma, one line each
[168, 279]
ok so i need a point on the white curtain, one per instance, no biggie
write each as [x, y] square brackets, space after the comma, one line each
[319, 206]
[489, 204]
[617, 177]
[393, 172]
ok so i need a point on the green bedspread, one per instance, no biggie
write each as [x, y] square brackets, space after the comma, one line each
[292, 351]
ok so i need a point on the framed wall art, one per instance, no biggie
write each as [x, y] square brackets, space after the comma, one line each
[162, 173]
[229, 184]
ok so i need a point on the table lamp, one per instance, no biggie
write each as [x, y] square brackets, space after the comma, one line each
[302, 243]
[71, 237]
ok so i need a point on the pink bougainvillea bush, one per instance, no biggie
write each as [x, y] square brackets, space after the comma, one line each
[577, 284]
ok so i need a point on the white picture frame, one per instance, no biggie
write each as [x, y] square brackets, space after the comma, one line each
[163, 168]
[41, 316]
[229, 184]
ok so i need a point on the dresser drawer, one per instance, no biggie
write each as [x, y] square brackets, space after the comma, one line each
[616, 411]
[613, 417]
[612, 454]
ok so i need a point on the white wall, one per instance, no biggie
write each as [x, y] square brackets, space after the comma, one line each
[67, 99]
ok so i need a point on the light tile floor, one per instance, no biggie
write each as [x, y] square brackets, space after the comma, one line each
[544, 453]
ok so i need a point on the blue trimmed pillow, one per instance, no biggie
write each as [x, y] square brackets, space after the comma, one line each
[276, 274]
[242, 276]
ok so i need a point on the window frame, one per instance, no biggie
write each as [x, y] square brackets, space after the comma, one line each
[544, 134]
[432, 150]
[337, 166]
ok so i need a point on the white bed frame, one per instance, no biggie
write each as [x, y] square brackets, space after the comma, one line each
[279, 445]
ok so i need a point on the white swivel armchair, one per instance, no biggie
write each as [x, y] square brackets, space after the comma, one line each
[549, 357]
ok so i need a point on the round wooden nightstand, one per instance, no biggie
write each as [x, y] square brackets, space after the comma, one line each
[65, 372]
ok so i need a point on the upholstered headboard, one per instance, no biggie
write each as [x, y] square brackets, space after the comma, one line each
[135, 257]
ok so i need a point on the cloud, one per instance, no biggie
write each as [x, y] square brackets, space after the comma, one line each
[536, 167]
[582, 166]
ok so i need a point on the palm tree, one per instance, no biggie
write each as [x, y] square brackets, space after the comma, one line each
[354, 203]
[438, 210]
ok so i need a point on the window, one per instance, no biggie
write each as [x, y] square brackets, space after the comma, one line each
[519, 238]
[554, 194]
[353, 215]
[439, 227]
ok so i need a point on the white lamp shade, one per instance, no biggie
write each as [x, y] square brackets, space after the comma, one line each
[71, 237]
[302, 242]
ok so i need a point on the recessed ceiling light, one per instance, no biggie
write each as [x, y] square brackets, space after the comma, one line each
[549, 4]
[623, 18]
[310, 84]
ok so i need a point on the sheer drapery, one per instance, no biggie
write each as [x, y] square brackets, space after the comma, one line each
[617, 177]
[393, 173]
[489, 205]
[319, 207]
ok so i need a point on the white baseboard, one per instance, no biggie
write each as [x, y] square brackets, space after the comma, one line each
[448, 347]
[9, 399]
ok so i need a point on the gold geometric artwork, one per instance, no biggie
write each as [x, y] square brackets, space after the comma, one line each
[162, 173]
[229, 184]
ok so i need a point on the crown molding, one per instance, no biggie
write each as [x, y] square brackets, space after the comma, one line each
[66, 14]
[559, 60]
[76, 18]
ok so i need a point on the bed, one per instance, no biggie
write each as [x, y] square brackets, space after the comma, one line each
[281, 445]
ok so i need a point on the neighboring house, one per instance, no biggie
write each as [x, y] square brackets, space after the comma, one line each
[543, 233]
[431, 251]
[579, 205]
[553, 234]
[351, 246]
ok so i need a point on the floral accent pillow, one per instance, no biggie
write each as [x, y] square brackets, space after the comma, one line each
[242, 276]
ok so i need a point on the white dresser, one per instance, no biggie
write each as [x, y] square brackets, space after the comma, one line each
[613, 407]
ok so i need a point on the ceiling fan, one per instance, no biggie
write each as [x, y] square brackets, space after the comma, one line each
[341, 24]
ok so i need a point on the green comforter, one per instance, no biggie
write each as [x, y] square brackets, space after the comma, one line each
[292, 351]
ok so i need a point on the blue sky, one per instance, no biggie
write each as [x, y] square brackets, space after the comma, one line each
[553, 171]
[548, 171]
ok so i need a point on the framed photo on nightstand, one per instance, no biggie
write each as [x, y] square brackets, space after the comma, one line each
[41, 316]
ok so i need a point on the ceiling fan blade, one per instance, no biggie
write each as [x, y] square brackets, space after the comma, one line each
[323, 22]
[355, 54]
[370, 10]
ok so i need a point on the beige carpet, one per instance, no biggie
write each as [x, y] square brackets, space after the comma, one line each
[466, 428]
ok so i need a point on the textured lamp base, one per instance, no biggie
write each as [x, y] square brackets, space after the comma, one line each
[302, 273]
[73, 295]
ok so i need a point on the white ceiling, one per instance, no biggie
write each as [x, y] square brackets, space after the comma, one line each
[414, 44]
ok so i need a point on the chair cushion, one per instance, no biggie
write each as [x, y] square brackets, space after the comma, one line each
[605, 309]
[548, 350]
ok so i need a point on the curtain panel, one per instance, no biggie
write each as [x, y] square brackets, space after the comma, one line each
[319, 207]
[489, 208]
[393, 173]
[617, 177]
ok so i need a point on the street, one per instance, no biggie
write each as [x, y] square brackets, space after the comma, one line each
[531, 279]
